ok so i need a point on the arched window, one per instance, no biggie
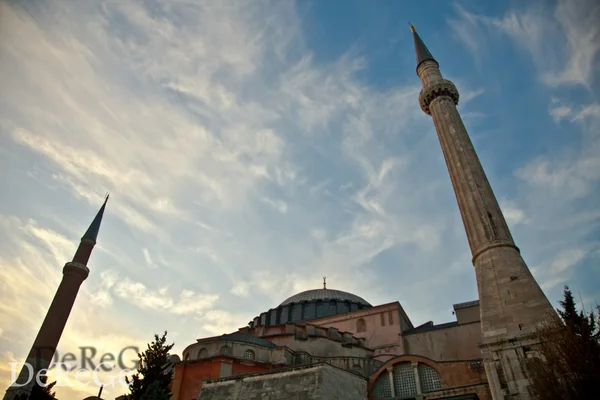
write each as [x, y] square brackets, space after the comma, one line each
[429, 377]
[249, 355]
[382, 389]
[203, 353]
[361, 325]
[405, 383]
[225, 351]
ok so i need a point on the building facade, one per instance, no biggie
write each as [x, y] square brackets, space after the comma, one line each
[481, 355]
[378, 344]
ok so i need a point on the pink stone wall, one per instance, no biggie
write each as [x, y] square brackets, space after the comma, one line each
[383, 325]
[449, 344]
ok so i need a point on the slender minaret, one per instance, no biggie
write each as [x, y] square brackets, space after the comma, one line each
[44, 346]
[511, 302]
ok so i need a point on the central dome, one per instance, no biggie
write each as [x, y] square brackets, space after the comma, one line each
[311, 304]
[325, 294]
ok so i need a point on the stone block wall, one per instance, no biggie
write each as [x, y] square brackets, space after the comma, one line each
[317, 382]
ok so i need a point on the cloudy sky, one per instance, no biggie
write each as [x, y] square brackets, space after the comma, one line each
[252, 147]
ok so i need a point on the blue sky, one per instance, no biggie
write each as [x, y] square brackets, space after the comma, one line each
[251, 148]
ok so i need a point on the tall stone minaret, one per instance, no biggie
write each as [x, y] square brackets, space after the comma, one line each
[44, 346]
[511, 302]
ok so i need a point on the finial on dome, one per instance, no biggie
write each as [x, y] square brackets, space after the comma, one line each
[324, 282]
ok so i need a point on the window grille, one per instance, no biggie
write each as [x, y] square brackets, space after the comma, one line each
[405, 383]
[430, 379]
[225, 351]
[382, 388]
[332, 308]
[203, 353]
[248, 355]
[320, 310]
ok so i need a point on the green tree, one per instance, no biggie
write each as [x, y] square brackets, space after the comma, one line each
[569, 362]
[154, 370]
[156, 392]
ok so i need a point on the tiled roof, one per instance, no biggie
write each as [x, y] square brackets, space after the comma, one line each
[240, 337]
[466, 304]
[325, 294]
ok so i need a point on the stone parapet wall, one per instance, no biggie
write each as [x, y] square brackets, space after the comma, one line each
[318, 382]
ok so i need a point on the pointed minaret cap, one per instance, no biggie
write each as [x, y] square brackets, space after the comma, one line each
[92, 232]
[421, 50]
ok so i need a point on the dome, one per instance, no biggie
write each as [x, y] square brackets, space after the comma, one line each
[325, 294]
[309, 305]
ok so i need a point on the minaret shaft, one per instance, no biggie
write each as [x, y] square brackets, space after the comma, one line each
[52, 328]
[46, 342]
[511, 302]
[484, 223]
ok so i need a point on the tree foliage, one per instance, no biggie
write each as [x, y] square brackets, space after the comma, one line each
[154, 375]
[569, 362]
[38, 392]
[156, 392]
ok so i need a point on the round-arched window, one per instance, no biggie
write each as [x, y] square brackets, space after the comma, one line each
[203, 353]
[361, 325]
[405, 383]
[429, 377]
[249, 355]
[382, 388]
[225, 351]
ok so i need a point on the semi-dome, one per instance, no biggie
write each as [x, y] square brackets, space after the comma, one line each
[311, 304]
[325, 294]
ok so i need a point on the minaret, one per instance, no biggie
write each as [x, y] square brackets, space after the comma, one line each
[511, 302]
[44, 346]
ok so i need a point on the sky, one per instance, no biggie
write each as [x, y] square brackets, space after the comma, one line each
[252, 147]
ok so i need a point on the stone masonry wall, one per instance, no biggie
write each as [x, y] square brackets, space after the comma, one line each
[319, 382]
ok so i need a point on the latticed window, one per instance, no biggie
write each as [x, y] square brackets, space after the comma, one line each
[361, 325]
[405, 382]
[249, 355]
[320, 310]
[382, 389]
[332, 308]
[203, 353]
[430, 379]
[225, 351]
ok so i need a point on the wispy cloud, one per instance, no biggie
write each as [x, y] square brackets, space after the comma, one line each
[243, 166]
[569, 32]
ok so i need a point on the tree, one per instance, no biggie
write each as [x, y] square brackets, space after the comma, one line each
[569, 362]
[155, 370]
[156, 392]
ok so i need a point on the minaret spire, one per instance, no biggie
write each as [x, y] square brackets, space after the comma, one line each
[92, 232]
[511, 302]
[421, 51]
[44, 346]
